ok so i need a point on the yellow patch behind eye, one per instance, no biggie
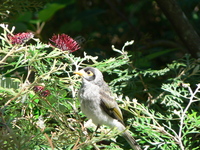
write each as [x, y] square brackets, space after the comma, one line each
[89, 73]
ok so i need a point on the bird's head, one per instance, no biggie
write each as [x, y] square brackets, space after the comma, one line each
[91, 74]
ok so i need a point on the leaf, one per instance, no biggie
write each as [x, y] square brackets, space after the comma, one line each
[50, 10]
[157, 54]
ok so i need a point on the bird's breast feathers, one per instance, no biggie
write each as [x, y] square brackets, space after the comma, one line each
[90, 104]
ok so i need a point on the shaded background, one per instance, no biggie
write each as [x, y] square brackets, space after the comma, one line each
[101, 24]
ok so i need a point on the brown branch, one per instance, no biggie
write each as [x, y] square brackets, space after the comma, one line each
[49, 141]
[182, 26]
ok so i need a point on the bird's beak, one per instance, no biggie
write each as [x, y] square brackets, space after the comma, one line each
[80, 72]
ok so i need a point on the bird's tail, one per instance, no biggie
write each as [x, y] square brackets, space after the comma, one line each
[132, 142]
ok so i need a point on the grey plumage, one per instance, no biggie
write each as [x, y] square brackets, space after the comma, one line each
[98, 104]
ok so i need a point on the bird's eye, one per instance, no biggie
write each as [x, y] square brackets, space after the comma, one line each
[89, 73]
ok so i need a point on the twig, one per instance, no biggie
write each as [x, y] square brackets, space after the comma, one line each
[146, 89]
[7, 55]
[184, 113]
[76, 145]
[49, 141]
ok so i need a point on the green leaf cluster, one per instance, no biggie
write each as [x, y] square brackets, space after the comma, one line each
[160, 107]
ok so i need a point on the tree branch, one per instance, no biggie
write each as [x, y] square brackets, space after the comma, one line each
[182, 26]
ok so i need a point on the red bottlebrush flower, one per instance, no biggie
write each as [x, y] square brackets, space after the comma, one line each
[20, 38]
[38, 88]
[64, 42]
[45, 93]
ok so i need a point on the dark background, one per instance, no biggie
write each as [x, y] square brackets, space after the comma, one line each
[101, 24]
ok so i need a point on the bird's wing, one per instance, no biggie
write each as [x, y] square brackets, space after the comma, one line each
[110, 106]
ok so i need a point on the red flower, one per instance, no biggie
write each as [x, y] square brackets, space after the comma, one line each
[38, 88]
[45, 93]
[65, 42]
[20, 38]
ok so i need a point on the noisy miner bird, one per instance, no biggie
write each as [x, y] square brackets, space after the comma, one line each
[98, 105]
